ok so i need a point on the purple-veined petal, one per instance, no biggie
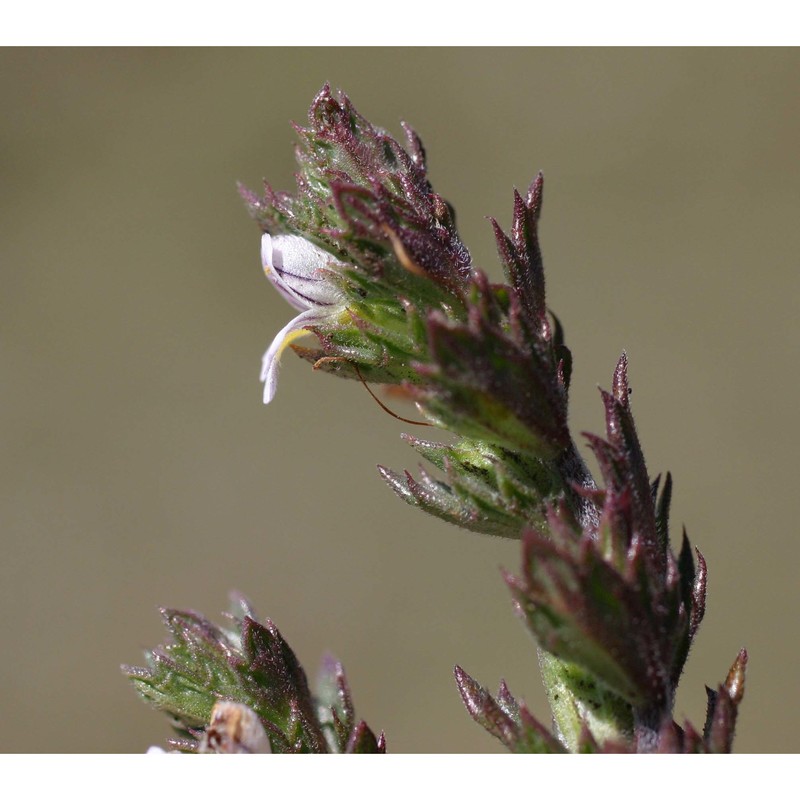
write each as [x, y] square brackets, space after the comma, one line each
[299, 270]
[270, 364]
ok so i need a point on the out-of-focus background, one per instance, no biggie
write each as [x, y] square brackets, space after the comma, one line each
[139, 467]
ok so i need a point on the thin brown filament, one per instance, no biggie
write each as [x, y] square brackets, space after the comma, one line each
[387, 410]
[330, 359]
[403, 257]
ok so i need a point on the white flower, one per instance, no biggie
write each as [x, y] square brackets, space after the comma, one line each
[299, 271]
[235, 729]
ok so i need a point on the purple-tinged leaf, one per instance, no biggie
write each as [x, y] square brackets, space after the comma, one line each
[504, 718]
[529, 282]
[581, 609]
[274, 666]
[486, 386]
[335, 704]
[662, 513]
[698, 594]
[723, 706]
[415, 147]
[483, 708]
[563, 355]
[623, 466]
[439, 499]
[362, 740]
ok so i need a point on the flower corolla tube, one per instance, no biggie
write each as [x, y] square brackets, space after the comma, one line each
[301, 272]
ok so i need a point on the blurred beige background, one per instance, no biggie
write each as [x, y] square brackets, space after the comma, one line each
[139, 467]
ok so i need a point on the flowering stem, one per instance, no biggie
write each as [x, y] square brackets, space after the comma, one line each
[369, 257]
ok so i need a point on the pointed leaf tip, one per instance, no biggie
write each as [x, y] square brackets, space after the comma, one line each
[469, 689]
[536, 195]
[699, 592]
[734, 683]
[621, 389]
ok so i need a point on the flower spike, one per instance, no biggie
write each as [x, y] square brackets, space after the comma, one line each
[369, 255]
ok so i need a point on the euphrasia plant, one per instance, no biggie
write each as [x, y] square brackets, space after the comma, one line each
[370, 257]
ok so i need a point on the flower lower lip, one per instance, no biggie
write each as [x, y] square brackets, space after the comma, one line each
[271, 360]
